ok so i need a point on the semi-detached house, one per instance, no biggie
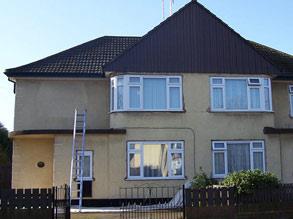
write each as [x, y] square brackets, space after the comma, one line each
[190, 94]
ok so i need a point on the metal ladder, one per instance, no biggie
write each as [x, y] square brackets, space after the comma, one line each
[77, 156]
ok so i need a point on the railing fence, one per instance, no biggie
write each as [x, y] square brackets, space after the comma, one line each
[45, 203]
[151, 202]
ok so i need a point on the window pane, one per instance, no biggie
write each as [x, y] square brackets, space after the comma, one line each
[176, 164]
[154, 93]
[134, 97]
[238, 157]
[133, 146]
[134, 164]
[155, 160]
[219, 162]
[257, 145]
[267, 99]
[174, 80]
[134, 79]
[291, 103]
[112, 98]
[176, 146]
[219, 145]
[266, 82]
[255, 98]
[174, 97]
[120, 97]
[87, 166]
[217, 81]
[258, 160]
[218, 98]
[236, 94]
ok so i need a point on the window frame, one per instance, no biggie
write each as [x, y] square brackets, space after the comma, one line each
[249, 86]
[90, 154]
[126, 93]
[140, 151]
[225, 151]
[290, 99]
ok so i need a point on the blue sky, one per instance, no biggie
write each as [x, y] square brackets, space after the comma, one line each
[34, 29]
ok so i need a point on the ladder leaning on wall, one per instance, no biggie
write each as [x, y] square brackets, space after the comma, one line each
[77, 156]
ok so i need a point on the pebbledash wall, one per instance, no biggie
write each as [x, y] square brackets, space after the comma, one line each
[196, 126]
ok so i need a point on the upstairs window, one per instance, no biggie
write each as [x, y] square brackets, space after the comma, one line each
[240, 94]
[291, 99]
[146, 93]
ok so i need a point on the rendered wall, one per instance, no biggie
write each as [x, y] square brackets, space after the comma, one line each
[206, 125]
[50, 104]
[281, 105]
[27, 152]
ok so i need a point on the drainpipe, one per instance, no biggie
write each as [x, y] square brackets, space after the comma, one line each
[13, 84]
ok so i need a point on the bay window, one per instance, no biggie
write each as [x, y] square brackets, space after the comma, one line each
[240, 94]
[291, 99]
[146, 93]
[155, 160]
[233, 156]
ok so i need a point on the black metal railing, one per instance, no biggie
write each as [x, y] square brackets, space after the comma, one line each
[61, 202]
[152, 202]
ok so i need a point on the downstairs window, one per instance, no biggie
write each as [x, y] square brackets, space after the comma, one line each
[155, 160]
[233, 156]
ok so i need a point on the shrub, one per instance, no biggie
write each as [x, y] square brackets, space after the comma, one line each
[201, 181]
[248, 181]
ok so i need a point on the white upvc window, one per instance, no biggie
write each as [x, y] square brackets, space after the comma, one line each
[240, 94]
[87, 165]
[291, 99]
[155, 160]
[233, 156]
[146, 93]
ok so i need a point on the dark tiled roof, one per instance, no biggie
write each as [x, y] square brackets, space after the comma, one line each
[84, 60]
[192, 40]
[283, 61]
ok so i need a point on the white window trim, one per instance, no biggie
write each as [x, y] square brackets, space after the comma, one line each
[140, 151]
[127, 84]
[290, 89]
[249, 86]
[224, 150]
[90, 154]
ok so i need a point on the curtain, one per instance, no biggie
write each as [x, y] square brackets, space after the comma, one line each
[174, 97]
[154, 93]
[120, 93]
[155, 160]
[267, 98]
[238, 157]
[258, 160]
[134, 162]
[254, 98]
[218, 98]
[236, 94]
[219, 159]
[134, 97]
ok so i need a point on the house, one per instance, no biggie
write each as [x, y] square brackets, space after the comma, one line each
[190, 94]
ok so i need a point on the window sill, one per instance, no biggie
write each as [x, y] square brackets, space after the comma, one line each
[239, 111]
[154, 179]
[148, 111]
